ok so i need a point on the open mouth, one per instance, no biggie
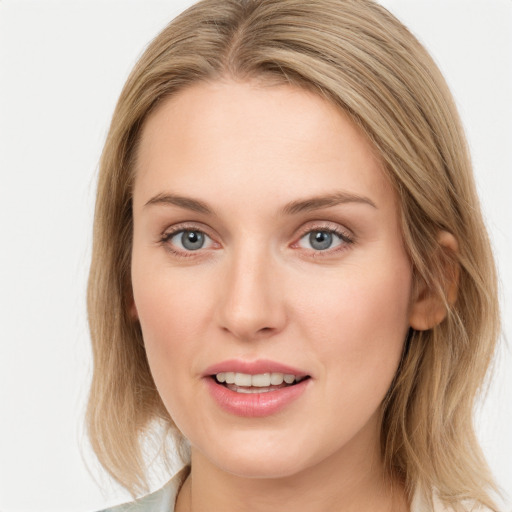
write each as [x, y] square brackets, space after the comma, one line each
[259, 383]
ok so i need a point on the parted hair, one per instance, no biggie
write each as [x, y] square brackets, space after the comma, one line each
[359, 57]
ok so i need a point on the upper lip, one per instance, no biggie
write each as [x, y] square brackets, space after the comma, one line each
[253, 367]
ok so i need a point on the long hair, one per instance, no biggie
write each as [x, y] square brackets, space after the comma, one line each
[360, 58]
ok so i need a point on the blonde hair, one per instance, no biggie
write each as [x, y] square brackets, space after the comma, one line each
[359, 57]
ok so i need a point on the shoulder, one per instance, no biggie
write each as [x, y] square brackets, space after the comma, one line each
[162, 500]
[421, 505]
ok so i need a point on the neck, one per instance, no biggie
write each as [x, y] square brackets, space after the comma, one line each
[352, 479]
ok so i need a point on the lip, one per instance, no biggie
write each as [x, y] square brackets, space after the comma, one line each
[253, 368]
[253, 405]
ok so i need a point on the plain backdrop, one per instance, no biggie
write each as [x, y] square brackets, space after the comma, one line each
[62, 66]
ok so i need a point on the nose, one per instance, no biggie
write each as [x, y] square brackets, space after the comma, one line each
[251, 297]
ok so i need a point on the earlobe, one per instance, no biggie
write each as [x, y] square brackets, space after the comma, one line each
[430, 303]
[132, 309]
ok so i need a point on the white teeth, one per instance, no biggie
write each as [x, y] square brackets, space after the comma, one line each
[276, 379]
[243, 379]
[260, 380]
[253, 390]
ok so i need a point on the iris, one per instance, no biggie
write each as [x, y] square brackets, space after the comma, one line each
[320, 240]
[192, 240]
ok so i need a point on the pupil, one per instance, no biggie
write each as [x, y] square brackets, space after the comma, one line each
[192, 240]
[320, 240]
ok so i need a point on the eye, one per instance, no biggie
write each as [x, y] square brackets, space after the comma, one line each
[323, 239]
[189, 240]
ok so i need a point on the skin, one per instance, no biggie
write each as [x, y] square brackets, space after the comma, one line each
[257, 289]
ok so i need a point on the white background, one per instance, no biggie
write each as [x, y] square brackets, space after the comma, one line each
[62, 66]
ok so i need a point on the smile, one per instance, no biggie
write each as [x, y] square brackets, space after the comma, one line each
[259, 383]
[255, 389]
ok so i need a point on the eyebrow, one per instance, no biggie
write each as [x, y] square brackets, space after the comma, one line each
[292, 208]
[327, 201]
[183, 202]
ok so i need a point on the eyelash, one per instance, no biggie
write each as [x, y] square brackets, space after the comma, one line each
[345, 237]
[168, 235]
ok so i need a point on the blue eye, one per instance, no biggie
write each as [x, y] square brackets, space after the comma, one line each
[321, 240]
[189, 240]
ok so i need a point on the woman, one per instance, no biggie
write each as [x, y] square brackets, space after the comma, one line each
[290, 270]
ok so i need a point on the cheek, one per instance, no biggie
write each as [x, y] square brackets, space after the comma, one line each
[358, 324]
[169, 313]
[172, 313]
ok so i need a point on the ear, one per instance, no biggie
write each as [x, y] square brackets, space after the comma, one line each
[132, 308]
[429, 306]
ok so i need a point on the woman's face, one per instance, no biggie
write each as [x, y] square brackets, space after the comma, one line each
[266, 247]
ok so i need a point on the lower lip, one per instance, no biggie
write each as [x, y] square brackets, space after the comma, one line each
[255, 404]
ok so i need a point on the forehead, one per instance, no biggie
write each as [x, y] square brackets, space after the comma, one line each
[256, 138]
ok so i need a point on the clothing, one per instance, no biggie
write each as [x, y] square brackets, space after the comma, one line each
[164, 500]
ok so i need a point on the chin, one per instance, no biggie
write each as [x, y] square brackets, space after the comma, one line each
[261, 469]
[259, 459]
